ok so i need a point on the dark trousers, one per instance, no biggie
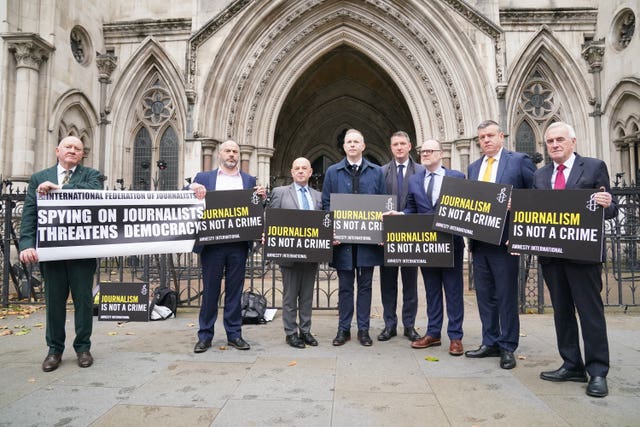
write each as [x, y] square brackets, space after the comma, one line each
[495, 275]
[226, 260]
[298, 281]
[61, 277]
[576, 286]
[389, 295]
[449, 279]
[346, 278]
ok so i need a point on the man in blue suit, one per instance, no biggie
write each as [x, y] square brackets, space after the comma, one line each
[354, 175]
[225, 259]
[67, 275]
[396, 177]
[576, 285]
[424, 191]
[495, 270]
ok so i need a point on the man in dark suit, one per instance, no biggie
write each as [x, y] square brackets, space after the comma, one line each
[424, 191]
[225, 259]
[298, 278]
[576, 285]
[495, 270]
[62, 276]
[396, 177]
[355, 175]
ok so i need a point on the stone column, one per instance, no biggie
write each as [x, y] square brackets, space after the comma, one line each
[632, 143]
[593, 52]
[208, 149]
[106, 64]
[29, 51]
[264, 165]
[463, 146]
[245, 157]
[446, 154]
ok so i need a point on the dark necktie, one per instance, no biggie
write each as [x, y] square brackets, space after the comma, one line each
[400, 178]
[560, 181]
[355, 179]
[305, 201]
[67, 176]
[432, 178]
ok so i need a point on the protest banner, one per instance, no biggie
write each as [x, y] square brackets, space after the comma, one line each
[124, 302]
[474, 209]
[357, 218]
[74, 224]
[561, 224]
[231, 216]
[411, 241]
[295, 235]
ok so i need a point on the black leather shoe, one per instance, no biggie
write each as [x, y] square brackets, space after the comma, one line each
[341, 337]
[238, 343]
[562, 374]
[597, 387]
[51, 362]
[85, 359]
[309, 339]
[484, 351]
[387, 334]
[507, 360]
[412, 334]
[201, 346]
[295, 341]
[364, 338]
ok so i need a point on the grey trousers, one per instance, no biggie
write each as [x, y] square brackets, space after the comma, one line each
[298, 282]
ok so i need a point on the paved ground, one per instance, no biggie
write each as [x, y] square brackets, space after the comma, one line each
[147, 374]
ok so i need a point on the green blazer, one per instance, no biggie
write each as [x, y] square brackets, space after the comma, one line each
[82, 179]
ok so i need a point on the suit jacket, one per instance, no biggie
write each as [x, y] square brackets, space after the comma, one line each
[83, 178]
[209, 178]
[390, 172]
[515, 169]
[586, 172]
[338, 180]
[286, 197]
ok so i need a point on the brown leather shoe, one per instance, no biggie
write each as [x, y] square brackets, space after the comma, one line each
[426, 341]
[51, 362]
[85, 359]
[455, 348]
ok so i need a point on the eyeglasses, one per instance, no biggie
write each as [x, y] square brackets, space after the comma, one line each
[427, 152]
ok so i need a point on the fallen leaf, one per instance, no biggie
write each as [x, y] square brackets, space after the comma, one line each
[24, 331]
[431, 359]
[20, 317]
[6, 332]
[39, 325]
[130, 333]
[222, 347]
[112, 333]
[522, 334]
[191, 325]
[293, 363]
[18, 326]
[4, 327]
[32, 380]
[522, 357]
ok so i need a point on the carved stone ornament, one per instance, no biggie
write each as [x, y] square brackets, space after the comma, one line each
[80, 45]
[593, 52]
[106, 63]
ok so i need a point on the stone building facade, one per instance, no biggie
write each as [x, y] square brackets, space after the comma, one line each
[152, 87]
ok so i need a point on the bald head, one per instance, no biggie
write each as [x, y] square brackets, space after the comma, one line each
[69, 152]
[301, 171]
[229, 156]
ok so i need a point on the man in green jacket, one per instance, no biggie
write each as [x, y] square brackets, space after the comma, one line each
[60, 277]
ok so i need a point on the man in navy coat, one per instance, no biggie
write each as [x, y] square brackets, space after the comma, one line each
[576, 285]
[495, 270]
[354, 175]
[225, 259]
[396, 177]
[435, 278]
[62, 277]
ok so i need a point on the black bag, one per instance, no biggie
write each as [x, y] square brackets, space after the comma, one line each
[166, 297]
[254, 306]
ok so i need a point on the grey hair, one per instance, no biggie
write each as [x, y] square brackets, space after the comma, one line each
[486, 123]
[567, 126]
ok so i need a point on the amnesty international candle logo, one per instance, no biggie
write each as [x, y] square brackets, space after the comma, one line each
[358, 217]
[124, 302]
[565, 224]
[474, 209]
[231, 216]
[295, 235]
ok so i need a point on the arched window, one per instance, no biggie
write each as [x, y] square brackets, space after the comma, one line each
[142, 160]
[525, 139]
[168, 175]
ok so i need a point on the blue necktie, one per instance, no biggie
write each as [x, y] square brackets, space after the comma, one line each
[432, 178]
[305, 201]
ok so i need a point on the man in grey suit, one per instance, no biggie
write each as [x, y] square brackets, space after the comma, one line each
[298, 278]
[396, 177]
